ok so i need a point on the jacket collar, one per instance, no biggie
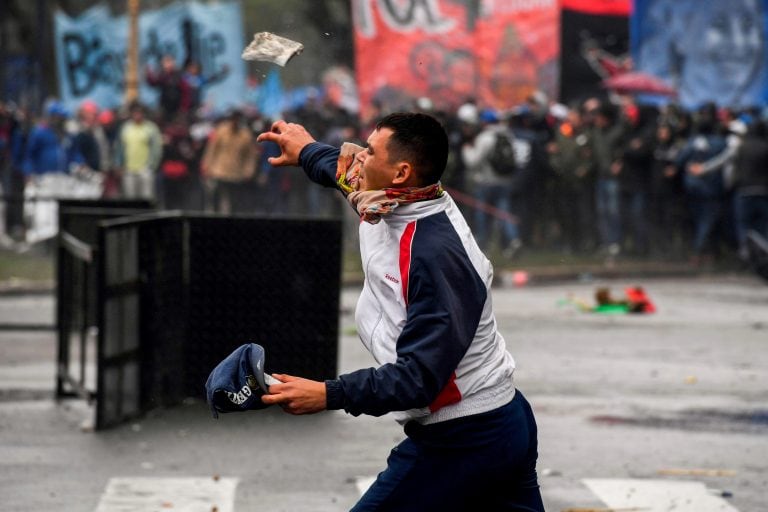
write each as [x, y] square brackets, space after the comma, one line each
[420, 209]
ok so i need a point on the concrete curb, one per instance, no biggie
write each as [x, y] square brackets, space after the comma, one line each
[27, 287]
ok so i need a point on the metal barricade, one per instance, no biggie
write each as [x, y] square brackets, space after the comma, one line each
[178, 293]
[77, 253]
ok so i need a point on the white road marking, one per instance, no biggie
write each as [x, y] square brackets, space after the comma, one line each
[640, 494]
[168, 494]
[657, 495]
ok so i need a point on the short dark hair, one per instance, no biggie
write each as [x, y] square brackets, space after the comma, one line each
[420, 140]
[136, 106]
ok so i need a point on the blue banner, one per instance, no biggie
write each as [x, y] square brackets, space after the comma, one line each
[91, 50]
[711, 51]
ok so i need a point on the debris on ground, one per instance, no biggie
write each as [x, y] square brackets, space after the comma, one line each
[635, 300]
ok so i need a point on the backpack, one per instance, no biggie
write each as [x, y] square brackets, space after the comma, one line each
[502, 156]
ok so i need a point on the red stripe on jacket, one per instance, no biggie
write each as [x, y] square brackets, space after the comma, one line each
[405, 257]
[450, 393]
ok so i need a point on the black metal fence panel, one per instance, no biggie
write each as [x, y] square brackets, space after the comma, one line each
[77, 286]
[268, 281]
[179, 293]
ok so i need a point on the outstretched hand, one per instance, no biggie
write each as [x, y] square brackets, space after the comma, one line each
[296, 395]
[291, 138]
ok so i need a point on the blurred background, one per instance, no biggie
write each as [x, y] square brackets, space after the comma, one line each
[594, 145]
[632, 130]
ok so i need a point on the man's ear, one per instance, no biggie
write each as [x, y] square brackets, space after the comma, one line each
[404, 175]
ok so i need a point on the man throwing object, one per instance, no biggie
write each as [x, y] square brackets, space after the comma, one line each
[425, 314]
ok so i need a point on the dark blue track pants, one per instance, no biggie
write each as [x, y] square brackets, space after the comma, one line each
[481, 462]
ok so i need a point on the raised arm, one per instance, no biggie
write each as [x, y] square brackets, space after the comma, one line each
[291, 138]
[298, 148]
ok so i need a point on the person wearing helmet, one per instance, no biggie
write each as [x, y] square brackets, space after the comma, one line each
[425, 314]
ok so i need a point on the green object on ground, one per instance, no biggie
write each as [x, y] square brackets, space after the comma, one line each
[611, 309]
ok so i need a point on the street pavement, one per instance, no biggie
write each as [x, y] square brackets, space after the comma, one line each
[650, 412]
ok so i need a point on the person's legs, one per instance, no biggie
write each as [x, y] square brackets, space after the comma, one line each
[585, 236]
[602, 208]
[638, 211]
[510, 234]
[613, 212]
[760, 212]
[129, 187]
[147, 185]
[462, 465]
[520, 492]
[706, 215]
[741, 216]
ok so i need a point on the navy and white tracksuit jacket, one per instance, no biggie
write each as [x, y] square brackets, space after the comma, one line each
[425, 314]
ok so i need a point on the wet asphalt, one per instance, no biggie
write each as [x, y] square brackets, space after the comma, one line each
[622, 396]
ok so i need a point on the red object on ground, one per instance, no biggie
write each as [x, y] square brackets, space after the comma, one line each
[636, 297]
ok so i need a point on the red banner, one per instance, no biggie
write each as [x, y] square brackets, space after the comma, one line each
[496, 51]
[600, 7]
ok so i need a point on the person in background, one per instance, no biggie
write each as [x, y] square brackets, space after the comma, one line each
[138, 151]
[635, 178]
[703, 184]
[49, 149]
[751, 185]
[177, 164]
[666, 196]
[492, 180]
[193, 84]
[91, 140]
[48, 158]
[21, 126]
[571, 161]
[606, 141]
[228, 163]
[531, 184]
[12, 181]
[168, 82]
[111, 129]
[274, 182]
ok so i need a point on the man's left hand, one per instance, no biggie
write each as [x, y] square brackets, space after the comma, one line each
[296, 395]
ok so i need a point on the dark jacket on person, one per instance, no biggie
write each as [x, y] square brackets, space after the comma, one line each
[637, 159]
[572, 161]
[169, 85]
[699, 149]
[751, 166]
[606, 148]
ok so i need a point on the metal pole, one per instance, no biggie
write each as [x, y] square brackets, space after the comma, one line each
[132, 63]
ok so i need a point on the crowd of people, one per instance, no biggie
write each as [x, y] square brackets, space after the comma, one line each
[615, 177]
[599, 177]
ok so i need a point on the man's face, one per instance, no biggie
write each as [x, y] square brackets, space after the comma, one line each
[376, 171]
